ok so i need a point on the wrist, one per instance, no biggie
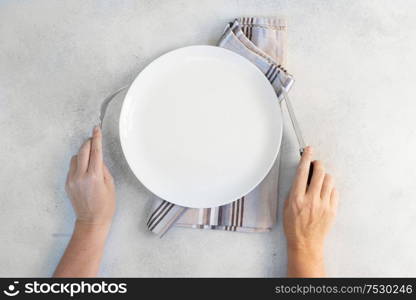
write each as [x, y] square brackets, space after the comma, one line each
[88, 228]
[305, 261]
[307, 252]
[95, 222]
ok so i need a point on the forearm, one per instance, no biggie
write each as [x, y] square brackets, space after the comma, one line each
[83, 255]
[305, 263]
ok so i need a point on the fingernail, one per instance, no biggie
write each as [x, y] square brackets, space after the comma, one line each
[308, 149]
[96, 130]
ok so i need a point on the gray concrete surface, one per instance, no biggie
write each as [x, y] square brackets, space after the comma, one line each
[355, 65]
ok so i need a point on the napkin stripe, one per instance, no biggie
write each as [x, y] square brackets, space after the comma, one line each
[243, 24]
[237, 215]
[232, 214]
[161, 218]
[271, 74]
[155, 211]
[160, 212]
[275, 76]
[242, 211]
[251, 29]
[207, 216]
[268, 71]
[238, 212]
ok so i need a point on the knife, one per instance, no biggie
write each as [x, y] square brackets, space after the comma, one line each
[296, 128]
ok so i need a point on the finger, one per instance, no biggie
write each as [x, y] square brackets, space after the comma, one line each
[96, 157]
[317, 178]
[107, 174]
[327, 187]
[83, 157]
[334, 199]
[72, 166]
[299, 185]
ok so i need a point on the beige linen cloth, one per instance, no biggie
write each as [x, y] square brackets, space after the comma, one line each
[262, 41]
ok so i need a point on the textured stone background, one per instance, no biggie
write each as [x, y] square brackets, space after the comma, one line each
[354, 62]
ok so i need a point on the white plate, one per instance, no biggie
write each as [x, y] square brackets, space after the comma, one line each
[200, 126]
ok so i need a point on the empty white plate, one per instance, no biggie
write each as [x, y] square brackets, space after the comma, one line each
[200, 126]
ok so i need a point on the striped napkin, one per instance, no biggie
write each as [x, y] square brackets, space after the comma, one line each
[262, 41]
